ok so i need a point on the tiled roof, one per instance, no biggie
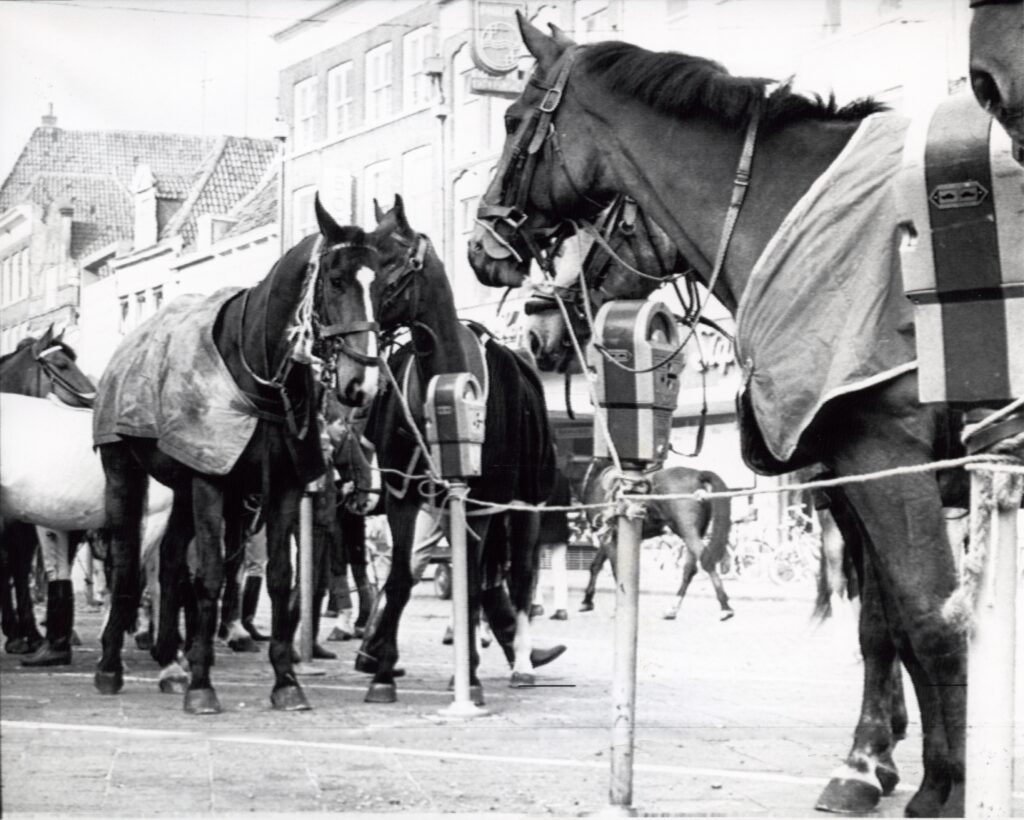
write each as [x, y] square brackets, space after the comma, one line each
[259, 208]
[230, 171]
[114, 153]
[94, 169]
[102, 207]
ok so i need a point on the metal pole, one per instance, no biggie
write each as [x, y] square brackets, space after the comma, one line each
[992, 653]
[627, 599]
[305, 665]
[462, 705]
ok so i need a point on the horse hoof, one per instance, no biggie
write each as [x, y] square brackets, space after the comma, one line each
[849, 796]
[243, 643]
[173, 680]
[143, 641]
[586, 606]
[887, 774]
[202, 702]
[367, 664]
[521, 679]
[109, 683]
[727, 614]
[670, 615]
[381, 693]
[289, 699]
[75, 640]
[338, 634]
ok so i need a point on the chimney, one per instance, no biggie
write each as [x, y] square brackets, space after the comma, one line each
[66, 210]
[50, 119]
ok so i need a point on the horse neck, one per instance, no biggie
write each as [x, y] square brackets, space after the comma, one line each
[266, 341]
[687, 192]
[436, 328]
[20, 374]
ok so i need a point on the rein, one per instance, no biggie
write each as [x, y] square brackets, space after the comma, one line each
[57, 378]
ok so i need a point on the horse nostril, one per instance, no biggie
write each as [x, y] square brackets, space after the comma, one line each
[985, 89]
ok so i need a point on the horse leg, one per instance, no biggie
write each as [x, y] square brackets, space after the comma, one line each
[524, 534]
[869, 771]
[689, 573]
[908, 546]
[281, 509]
[237, 637]
[208, 515]
[173, 569]
[124, 497]
[596, 564]
[379, 652]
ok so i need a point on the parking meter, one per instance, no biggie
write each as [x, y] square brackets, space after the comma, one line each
[456, 413]
[639, 397]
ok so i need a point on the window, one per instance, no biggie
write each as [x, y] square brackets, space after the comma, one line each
[140, 308]
[24, 284]
[305, 113]
[597, 26]
[418, 188]
[676, 9]
[377, 184]
[5, 281]
[124, 315]
[339, 99]
[470, 111]
[378, 82]
[303, 213]
[417, 45]
[158, 298]
[833, 16]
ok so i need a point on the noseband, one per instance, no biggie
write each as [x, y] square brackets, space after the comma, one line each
[400, 279]
[519, 173]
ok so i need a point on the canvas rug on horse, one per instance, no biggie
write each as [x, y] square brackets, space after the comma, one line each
[824, 312]
[167, 381]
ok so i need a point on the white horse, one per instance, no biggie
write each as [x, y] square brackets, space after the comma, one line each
[51, 477]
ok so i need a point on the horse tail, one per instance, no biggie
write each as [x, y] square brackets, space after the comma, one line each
[721, 521]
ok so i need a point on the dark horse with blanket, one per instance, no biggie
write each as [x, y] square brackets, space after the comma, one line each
[218, 398]
[688, 141]
[412, 290]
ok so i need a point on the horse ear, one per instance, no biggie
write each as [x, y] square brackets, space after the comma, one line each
[47, 337]
[562, 39]
[542, 47]
[378, 212]
[400, 217]
[328, 227]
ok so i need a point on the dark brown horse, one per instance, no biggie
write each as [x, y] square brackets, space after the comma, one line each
[303, 329]
[690, 519]
[412, 291]
[686, 140]
[997, 62]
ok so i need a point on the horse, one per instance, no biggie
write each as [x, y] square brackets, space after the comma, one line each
[39, 367]
[412, 290]
[687, 518]
[997, 63]
[719, 163]
[218, 398]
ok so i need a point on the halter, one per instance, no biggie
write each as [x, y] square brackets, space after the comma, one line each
[306, 333]
[402, 276]
[521, 167]
[41, 358]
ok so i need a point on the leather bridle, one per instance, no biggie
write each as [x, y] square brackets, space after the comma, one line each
[400, 278]
[58, 379]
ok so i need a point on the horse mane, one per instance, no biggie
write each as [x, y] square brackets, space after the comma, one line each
[682, 85]
[28, 341]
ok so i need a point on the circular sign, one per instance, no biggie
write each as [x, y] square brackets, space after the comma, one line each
[498, 46]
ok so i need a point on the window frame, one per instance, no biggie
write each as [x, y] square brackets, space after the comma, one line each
[304, 99]
[340, 106]
[379, 90]
[414, 77]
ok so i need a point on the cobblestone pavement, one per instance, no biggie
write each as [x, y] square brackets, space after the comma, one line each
[742, 718]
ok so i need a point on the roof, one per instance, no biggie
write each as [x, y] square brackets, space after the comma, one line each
[259, 208]
[94, 170]
[232, 169]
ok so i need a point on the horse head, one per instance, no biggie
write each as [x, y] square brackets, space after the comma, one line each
[997, 62]
[46, 365]
[551, 167]
[347, 266]
[410, 278]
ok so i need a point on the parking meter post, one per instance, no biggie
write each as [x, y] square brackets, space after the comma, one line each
[455, 414]
[627, 598]
[635, 355]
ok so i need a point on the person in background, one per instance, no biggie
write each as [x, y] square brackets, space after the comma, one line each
[554, 537]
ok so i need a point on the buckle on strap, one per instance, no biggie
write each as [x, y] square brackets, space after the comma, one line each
[552, 97]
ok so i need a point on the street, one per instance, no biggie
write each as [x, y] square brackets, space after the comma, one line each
[741, 718]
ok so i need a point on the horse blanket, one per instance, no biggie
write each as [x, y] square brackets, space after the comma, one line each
[50, 475]
[167, 381]
[824, 311]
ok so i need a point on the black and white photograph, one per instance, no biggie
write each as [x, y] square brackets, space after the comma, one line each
[511, 408]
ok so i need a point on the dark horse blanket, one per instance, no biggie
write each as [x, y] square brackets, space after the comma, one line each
[824, 312]
[518, 459]
[167, 381]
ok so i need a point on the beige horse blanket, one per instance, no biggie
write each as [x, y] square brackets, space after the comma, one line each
[167, 381]
[824, 312]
